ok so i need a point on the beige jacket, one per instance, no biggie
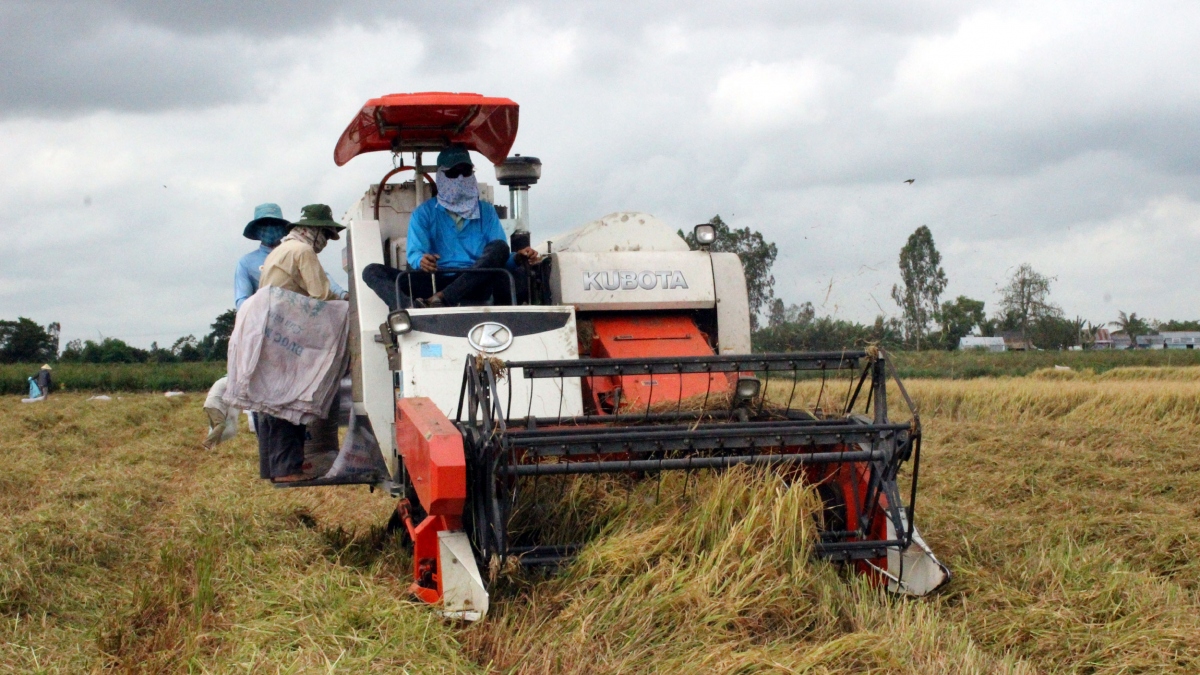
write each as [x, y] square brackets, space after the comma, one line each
[294, 266]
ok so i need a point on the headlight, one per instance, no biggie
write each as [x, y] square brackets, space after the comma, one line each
[705, 233]
[400, 322]
[746, 391]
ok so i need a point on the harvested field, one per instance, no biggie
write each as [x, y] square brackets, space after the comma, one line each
[1067, 506]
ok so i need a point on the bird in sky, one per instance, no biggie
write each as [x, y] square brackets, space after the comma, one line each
[910, 181]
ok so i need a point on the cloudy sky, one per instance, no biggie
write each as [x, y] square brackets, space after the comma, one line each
[136, 136]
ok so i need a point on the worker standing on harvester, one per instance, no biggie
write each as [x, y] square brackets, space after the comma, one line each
[294, 266]
[453, 231]
[268, 228]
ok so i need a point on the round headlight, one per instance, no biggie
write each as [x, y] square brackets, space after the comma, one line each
[400, 322]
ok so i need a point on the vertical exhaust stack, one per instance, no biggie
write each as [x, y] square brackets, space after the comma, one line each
[518, 173]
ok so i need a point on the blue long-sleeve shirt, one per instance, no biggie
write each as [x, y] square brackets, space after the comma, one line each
[431, 229]
[249, 269]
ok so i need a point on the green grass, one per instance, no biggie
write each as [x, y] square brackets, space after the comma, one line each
[112, 377]
[971, 364]
[1066, 508]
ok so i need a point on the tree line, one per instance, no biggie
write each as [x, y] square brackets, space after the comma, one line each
[25, 341]
[925, 322]
[1025, 312]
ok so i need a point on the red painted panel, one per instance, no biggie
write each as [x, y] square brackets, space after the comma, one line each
[432, 449]
[485, 124]
[649, 336]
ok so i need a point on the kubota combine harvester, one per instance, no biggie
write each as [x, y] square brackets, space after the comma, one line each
[629, 353]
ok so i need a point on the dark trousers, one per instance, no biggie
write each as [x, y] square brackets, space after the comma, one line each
[43, 381]
[280, 446]
[471, 289]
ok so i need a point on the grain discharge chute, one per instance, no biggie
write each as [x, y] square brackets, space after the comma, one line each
[625, 352]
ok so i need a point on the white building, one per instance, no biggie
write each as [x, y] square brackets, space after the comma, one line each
[1183, 339]
[991, 344]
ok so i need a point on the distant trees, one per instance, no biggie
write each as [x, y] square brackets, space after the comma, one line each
[781, 315]
[959, 319]
[212, 347]
[1176, 326]
[797, 328]
[1132, 324]
[215, 345]
[757, 256]
[924, 280]
[1026, 298]
[24, 341]
[108, 350]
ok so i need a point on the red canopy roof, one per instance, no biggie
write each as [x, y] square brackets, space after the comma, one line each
[431, 121]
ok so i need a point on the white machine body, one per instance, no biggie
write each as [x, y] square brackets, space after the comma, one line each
[622, 262]
[433, 354]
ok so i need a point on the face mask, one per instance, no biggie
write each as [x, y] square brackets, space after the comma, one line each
[271, 235]
[320, 240]
[459, 196]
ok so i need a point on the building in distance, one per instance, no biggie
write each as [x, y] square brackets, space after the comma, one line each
[990, 344]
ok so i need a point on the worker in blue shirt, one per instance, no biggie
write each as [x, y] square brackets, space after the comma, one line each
[268, 228]
[453, 231]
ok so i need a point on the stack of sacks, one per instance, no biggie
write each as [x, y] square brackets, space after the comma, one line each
[287, 355]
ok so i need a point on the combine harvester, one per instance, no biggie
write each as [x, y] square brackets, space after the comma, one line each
[631, 356]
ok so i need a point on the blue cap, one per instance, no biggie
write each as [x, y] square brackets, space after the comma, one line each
[453, 156]
[264, 214]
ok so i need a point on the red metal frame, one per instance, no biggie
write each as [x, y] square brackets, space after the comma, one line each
[851, 480]
[431, 448]
[431, 121]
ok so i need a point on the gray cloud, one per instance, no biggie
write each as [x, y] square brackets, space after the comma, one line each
[1061, 135]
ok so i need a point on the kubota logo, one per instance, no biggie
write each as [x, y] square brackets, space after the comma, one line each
[628, 280]
[490, 337]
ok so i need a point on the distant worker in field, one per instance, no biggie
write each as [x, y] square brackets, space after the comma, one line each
[44, 381]
[451, 232]
[294, 266]
[268, 228]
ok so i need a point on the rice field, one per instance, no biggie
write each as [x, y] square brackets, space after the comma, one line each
[1067, 505]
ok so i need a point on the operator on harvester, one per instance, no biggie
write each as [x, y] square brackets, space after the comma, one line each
[450, 232]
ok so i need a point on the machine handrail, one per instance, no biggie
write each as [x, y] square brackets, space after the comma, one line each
[408, 274]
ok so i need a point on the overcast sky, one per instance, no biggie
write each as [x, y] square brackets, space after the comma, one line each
[136, 137]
